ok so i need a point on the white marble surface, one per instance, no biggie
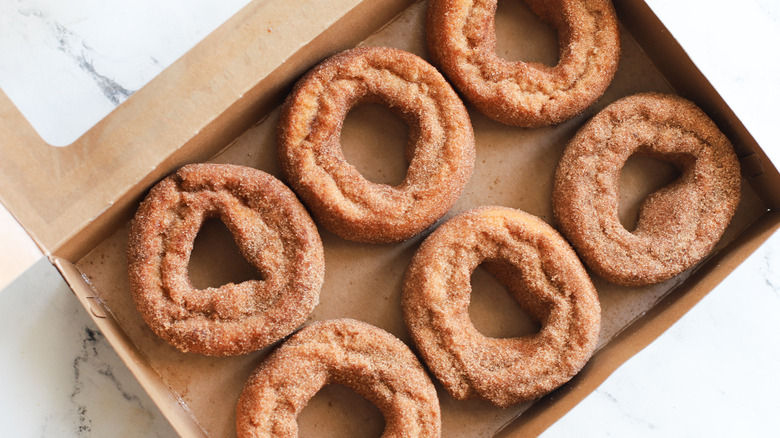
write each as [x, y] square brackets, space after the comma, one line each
[59, 375]
[713, 373]
[66, 65]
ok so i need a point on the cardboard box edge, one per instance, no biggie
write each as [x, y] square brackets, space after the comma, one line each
[642, 332]
[174, 410]
[545, 412]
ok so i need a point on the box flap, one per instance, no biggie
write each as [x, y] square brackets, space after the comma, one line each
[230, 93]
[179, 416]
[55, 192]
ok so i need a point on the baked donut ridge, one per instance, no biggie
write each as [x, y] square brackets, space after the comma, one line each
[678, 224]
[542, 273]
[440, 149]
[462, 42]
[273, 232]
[367, 359]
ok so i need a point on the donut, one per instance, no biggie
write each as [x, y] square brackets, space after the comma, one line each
[538, 268]
[440, 148]
[679, 224]
[461, 39]
[273, 232]
[372, 362]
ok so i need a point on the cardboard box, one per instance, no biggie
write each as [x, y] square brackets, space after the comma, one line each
[217, 103]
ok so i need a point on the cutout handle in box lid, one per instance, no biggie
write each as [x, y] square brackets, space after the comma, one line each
[56, 192]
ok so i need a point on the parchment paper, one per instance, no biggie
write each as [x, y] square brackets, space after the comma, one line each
[514, 168]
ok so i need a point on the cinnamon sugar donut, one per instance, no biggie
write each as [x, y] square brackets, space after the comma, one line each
[679, 224]
[543, 274]
[462, 42]
[273, 232]
[440, 148]
[367, 359]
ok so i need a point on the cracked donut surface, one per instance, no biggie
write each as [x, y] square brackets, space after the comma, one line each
[440, 148]
[273, 232]
[678, 224]
[372, 362]
[462, 41]
[543, 274]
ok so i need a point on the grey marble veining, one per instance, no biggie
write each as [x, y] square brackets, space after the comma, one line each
[770, 269]
[66, 65]
[714, 373]
[71, 44]
[64, 379]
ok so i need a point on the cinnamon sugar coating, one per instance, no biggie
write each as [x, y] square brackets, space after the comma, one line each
[273, 232]
[367, 359]
[440, 148]
[543, 274]
[462, 42]
[679, 224]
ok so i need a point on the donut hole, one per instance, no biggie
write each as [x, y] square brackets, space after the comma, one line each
[640, 176]
[374, 139]
[338, 411]
[522, 36]
[216, 259]
[493, 310]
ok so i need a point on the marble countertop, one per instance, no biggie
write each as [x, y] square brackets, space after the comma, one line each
[713, 373]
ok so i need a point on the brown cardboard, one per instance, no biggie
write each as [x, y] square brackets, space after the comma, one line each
[514, 168]
[676, 66]
[189, 112]
[168, 401]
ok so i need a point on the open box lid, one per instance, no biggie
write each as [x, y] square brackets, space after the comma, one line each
[71, 198]
[68, 198]
[60, 195]
[56, 193]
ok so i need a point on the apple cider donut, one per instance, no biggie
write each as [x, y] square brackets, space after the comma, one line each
[543, 274]
[679, 224]
[273, 232]
[462, 41]
[440, 148]
[372, 362]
